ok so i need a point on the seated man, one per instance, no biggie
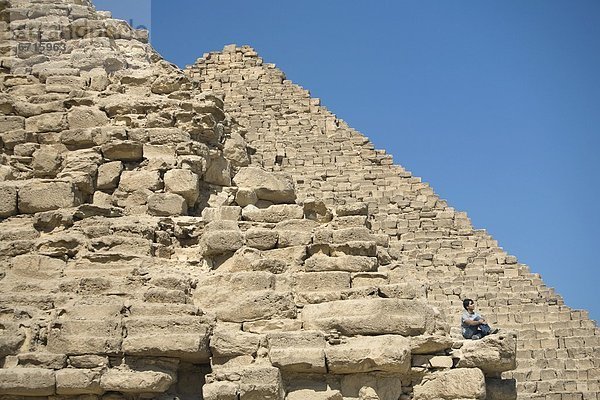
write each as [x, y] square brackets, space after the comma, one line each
[473, 325]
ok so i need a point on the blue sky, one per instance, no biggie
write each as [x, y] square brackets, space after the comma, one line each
[495, 104]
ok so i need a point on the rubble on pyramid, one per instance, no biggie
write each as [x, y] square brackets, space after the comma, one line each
[163, 236]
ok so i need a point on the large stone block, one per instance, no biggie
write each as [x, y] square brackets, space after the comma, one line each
[228, 340]
[321, 281]
[272, 214]
[320, 262]
[275, 187]
[8, 200]
[123, 150]
[493, 353]
[127, 381]
[86, 117]
[74, 381]
[301, 352]
[27, 381]
[184, 183]
[177, 336]
[453, 384]
[132, 181]
[372, 317]
[166, 204]
[109, 174]
[38, 196]
[33, 266]
[387, 353]
[49, 122]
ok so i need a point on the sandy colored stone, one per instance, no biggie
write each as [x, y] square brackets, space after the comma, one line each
[86, 117]
[493, 353]
[278, 188]
[166, 204]
[108, 175]
[273, 214]
[135, 381]
[184, 183]
[72, 381]
[388, 353]
[461, 383]
[27, 381]
[45, 195]
[8, 200]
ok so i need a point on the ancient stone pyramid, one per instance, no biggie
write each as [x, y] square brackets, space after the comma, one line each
[216, 234]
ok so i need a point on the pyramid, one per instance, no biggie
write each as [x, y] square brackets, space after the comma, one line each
[216, 233]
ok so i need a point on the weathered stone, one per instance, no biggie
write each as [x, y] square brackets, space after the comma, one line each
[494, 353]
[235, 150]
[278, 188]
[125, 381]
[108, 175]
[218, 171]
[500, 389]
[86, 117]
[72, 381]
[272, 214]
[228, 340]
[132, 181]
[218, 242]
[123, 150]
[34, 266]
[27, 381]
[45, 195]
[317, 210]
[309, 394]
[372, 316]
[388, 353]
[228, 213]
[321, 262]
[8, 200]
[46, 161]
[49, 122]
[302, 352]
[321, 281]
[160, 157]
[262, 239]
[184, 183]
[166, 204]
[245, 196]
[461, 383]
[351, 209]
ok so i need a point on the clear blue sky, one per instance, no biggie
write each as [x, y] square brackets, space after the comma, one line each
[495, 104]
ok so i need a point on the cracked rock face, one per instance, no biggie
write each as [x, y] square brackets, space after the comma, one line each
[148, 251]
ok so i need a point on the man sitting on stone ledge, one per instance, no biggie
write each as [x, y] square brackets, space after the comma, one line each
[473, 324]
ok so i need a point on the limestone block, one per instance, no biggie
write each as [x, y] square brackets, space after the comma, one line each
[367, 393]
[239, 306]
[261, 383]
[493, 353]
[218, 171]
[227, 213]
[345, 235]
[442, 362]
[6, 173]
[235, 150]
[387, 387]
[27, 381]
[86, 117]
[245, 196]
[273, 325]
[34, 266]
[166, 204]
[262, 239]
[222, 241]
[11, 123]
[321, 281]
[73, 381]
[8, 200]
[320, 262]
[127, 381]
[228, 340]
[220, 390]
[351, 209]
[184, 183]
[272, 214]
[132, 181]
[46, 161]
[301, 352]
[77, 138]
[164, 136]
[354, 248]
[500, 389]
[37, 196]
[388, 353]
[88, 361]
[289, 238]
[160, 157]
[76, 337]
[49, 122]
[460, 383]
[11, 338]
[123, 150]
[310, 394]
[185, 337]
[316, 210]
[168, 83]
[109, 174]
[375, 316]
[430, 344]
[275, 187]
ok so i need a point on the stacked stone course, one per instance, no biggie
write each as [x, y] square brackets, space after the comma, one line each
[153, 243]
[428, 241]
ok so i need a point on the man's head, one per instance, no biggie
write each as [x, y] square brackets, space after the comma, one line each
[468, 303]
